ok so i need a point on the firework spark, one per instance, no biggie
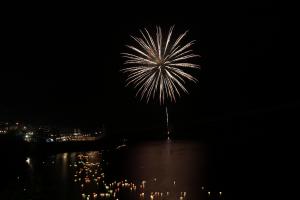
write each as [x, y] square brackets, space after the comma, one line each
[157, 66]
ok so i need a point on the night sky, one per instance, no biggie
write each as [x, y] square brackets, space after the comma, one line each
[60, 64]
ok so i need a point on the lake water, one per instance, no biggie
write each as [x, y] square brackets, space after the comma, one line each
[162, 169]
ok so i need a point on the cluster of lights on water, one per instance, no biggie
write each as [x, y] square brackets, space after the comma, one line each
[91, 181]
[87, 177]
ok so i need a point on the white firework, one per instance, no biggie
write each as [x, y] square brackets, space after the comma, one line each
[157, 66]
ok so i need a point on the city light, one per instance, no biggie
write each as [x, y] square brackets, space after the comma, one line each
[38, 134]
[27, 161]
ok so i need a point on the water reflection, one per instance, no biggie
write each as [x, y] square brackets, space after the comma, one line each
[152, 170]
[90, 178]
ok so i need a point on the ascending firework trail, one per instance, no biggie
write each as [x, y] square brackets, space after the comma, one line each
[158, 67]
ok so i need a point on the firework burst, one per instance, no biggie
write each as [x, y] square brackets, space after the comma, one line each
[157, 66]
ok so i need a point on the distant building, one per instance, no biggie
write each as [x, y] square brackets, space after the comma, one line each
[3, 127]
[45, 134]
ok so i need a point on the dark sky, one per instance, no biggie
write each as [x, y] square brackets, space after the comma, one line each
[60, 63]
